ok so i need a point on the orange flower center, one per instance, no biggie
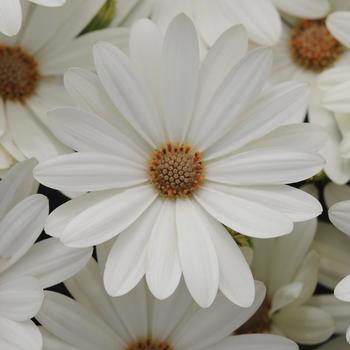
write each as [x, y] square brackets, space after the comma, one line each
[19, 74]
[176, 170]
[149, 344]
[313, 47]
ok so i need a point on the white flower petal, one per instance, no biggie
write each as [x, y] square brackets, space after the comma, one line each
[134, 310]
[339, 214]
[88, 93]
[10, 16]
[338, 309]
[333, 248]
[261, 19]
[20, 298]
[162, 326]
[30, 135]
[305, 324]
[107, 218]
[337, 98]
[50, 342]
[87, 289]
[275, 107]
[240, 86]
[206, 327]
[338, 24]
[86, 132]
[299, 241]
[68, 21]
[78, 53]
[83, 172]
[308, 276]
[304, 8]
[197, 253]
[264, 166]
[304, 137]
[242, 215]
[16, 185]
[128, 91]
[127, 260]
[75, 324]
[163, 267]
[50, 3]
[294, 203]
[21, 227]
[19, 335]
[145, 46]
[210, 20]
[50, 262]
[342, 290]
[227, 51]
[179, 76]
[285, 296]
[255, 341]
[229, 255]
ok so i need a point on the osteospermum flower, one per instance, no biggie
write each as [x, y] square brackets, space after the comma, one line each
[26, 268]
[307, 50]
[11, 13]
[170, 150]
[261, 19]
[138, 321]
[31, 67]
[290, 280]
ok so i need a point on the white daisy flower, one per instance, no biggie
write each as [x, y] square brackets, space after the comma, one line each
[139, 321]
[331, 244]
[307, 50]
[11, 14]
[260, 18]
[170, 150]
[289, 270]
[26, 268]
[32, 64]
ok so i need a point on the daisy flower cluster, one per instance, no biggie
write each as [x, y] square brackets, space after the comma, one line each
[174, 174]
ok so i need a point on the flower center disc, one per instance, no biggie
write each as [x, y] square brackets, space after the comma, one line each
[260, 322]
[176, 170]
[19, 74]
[312, 45]
[149, 344]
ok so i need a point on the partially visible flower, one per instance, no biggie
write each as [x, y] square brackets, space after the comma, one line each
[26, 268]
[170, 149]
[11, 13]
[260, 18]
[289, 270]
[339, 215]
[138, 321]
[32, 64]
[306, 51]
[331, 244]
